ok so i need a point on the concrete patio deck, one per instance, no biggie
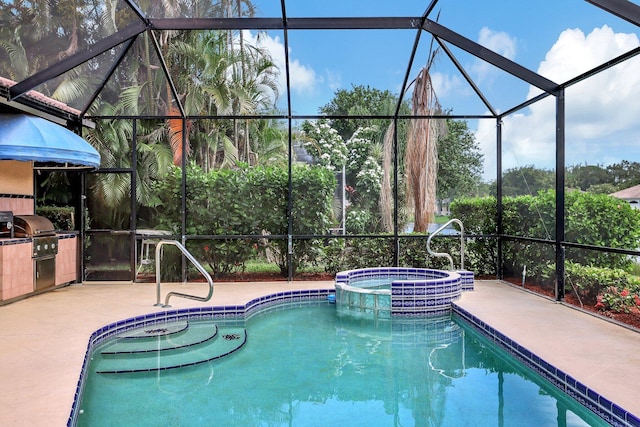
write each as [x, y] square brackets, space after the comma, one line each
[43, 339]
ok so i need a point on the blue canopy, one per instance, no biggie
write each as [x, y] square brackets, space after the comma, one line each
[31, 138]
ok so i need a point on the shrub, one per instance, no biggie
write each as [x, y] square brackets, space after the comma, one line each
[591, 219]
[604, 288]
[355, 253]
[62, 217]
[479, 218]
[588, 281]
[247, 202]
[620, 298]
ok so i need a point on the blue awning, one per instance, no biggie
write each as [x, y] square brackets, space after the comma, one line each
[31, 138]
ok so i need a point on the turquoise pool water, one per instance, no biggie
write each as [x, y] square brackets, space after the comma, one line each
[305, 365]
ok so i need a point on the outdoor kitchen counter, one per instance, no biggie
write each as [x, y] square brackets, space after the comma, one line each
[17, 266]
[67, 258]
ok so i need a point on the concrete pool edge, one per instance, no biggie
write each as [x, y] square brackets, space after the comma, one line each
[601, 406]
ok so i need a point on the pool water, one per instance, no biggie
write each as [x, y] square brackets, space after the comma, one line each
[383, 283]
[305, 365]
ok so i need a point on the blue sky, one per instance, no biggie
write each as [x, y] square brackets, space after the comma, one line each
[558, 39]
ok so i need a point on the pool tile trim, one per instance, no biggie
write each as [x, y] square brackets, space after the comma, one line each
[601, 406]
[242, 311]
[420, 292]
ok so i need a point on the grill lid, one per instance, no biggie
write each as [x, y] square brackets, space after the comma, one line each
[32, 226]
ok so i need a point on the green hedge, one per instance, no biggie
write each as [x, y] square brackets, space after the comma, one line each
[479, 218]
[348, 254]
[591, 219]
[250, 202]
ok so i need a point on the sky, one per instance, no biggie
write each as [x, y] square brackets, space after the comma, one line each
[557, 39]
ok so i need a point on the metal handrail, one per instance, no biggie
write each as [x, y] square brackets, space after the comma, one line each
[190, 257]
[445, 255]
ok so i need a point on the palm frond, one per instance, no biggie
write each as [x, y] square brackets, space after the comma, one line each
[177, 129]
[230, 152]
[421, 154]
[129, 97]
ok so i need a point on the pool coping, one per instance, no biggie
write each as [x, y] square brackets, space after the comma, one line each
[601, 406]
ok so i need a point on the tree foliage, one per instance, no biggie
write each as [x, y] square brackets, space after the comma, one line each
[460, 162]
[595, 179]
[360, 101]
[526, 180]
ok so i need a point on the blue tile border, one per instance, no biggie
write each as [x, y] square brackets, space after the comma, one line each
[243, 312]
[413, 291]
[601, 406]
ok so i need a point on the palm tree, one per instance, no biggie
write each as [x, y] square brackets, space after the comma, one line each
[111, 192]
[421, 159]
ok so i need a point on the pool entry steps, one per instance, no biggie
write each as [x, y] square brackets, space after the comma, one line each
[167, 346]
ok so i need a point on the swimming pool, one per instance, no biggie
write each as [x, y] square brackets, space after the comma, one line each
[305, 364]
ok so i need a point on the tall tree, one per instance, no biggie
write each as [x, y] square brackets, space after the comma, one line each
[526, 180]
[459, 162]
[360, 101]
[625, 174]
[585, 176]
[365, 101]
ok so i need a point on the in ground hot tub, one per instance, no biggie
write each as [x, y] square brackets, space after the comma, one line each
[400, 291]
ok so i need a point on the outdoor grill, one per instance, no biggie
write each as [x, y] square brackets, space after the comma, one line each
[44, 247]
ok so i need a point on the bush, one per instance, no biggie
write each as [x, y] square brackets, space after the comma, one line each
[479, 218]
[62, 217]
[589, 281]
[247, 202]
[591, 219]
[348, 254]
[620, 298]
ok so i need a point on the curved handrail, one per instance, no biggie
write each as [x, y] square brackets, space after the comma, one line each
[445, 255]
[190, 257]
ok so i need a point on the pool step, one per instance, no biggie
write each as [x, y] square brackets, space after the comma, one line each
[160, 338]
[171, 352]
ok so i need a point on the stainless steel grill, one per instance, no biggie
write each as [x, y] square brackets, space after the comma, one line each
[32, 226]
[44, 247]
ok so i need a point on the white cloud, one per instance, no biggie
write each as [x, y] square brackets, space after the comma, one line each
[447, 84]
[497, 41]
[303, 79]
[602, 124]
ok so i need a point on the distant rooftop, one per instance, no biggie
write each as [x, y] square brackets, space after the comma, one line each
[628, 193]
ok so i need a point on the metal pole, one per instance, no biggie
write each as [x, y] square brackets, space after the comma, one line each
[560, 201]
[396, 239]
[344, 201]
[133, 178]
[499, 210]
[183, 225]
